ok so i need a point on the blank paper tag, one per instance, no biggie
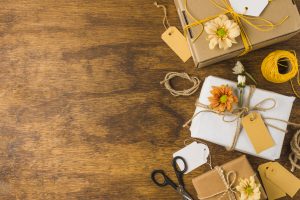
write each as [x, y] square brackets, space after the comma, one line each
[284, 179]
[257, 132]
[273, 191]
[177, 42]
[195, 155]
[249, 7]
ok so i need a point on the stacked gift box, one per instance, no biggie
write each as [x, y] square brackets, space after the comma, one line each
[191, 10]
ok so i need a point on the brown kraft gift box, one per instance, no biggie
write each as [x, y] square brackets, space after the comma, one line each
[274, 12]
[211, 183]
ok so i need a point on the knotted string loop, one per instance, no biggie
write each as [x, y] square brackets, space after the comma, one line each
[187, 92]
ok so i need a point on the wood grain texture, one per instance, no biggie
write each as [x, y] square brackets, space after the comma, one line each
[82, 113]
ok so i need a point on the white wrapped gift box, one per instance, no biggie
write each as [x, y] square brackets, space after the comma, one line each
[211, 127]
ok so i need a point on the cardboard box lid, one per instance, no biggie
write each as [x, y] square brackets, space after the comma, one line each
[274, 12]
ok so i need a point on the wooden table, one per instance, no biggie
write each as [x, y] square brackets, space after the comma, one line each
[83, 115]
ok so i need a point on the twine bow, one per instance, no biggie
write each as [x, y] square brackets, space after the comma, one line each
[265, 25]
[228, 180]
[239, 113]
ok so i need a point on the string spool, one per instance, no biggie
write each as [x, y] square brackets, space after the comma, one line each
[281, 66]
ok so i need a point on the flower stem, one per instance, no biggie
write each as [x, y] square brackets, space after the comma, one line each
[251, 77]
[241, 95]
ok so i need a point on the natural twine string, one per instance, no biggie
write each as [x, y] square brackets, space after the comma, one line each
[186, 92]
[165, 19]
[270, 68]
[239, 113]
[294, 156]
[229, 183]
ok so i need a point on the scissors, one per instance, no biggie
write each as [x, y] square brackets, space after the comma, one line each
[167, 181]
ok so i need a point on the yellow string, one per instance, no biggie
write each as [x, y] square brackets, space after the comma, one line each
[224, 5]
[271, 63]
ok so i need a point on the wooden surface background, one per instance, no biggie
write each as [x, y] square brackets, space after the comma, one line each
[83, 115]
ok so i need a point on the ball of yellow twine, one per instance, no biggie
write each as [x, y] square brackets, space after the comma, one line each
[270, 68]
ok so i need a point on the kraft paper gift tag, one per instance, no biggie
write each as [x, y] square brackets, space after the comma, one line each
[249, 7]
[282, 178]
[174, 38]
[257, 132]
[272, 190]
[177, 42]
[195, 155]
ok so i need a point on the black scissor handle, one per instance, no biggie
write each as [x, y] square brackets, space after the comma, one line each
[176, 168]
[166, 179]
[156, 173]
[179, 173]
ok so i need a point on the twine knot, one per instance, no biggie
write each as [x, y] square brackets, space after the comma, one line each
[228, 179]
[245, 110]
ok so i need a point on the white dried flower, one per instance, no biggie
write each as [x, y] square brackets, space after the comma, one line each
[238, 68]
[222, 31]
[241, 81]
[249, 189]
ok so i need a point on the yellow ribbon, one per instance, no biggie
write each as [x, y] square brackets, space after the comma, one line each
[225, 6]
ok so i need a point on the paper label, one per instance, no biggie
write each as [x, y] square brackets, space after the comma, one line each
[195, 155]
[177, 42]
[284, 179]
[249, 7]
[273, 191]
[257, 132]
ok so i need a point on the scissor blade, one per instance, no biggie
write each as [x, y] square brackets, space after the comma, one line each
[186, 197]
[184, 194]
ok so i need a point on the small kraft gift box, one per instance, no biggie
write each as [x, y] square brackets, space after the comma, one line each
[274, 108]
[221, 182]
[278, 21]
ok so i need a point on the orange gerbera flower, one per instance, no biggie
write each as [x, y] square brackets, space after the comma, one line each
[222, 98]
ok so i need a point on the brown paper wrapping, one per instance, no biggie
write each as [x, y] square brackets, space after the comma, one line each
[210, 183]
[275, 12]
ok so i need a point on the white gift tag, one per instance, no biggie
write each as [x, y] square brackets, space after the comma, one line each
[249, 7]
[195, 155]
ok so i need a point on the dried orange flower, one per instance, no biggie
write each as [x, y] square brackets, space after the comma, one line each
[222, 98]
